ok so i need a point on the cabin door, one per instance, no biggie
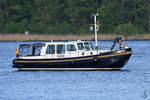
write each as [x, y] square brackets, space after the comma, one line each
[60, 50]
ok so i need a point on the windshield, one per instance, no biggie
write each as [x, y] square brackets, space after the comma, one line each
[91, 45]
[80, 46]
[87, 47]
[71, 47]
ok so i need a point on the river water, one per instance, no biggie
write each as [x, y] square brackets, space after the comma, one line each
[132, 83]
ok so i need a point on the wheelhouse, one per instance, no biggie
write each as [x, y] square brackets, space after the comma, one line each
[57, 49]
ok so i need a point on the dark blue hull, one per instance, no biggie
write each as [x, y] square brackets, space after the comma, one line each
[112, 60]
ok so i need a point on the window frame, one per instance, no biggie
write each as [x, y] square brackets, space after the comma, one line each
[53, 49]
[73, 46]
[89, 48]
[82, 46]
[62, 48]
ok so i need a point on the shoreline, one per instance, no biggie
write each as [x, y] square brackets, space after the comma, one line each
[36, 37]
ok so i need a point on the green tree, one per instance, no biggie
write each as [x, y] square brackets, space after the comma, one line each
[126, 29]
[116, 12]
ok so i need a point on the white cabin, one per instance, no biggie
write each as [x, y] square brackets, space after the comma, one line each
[53, 50]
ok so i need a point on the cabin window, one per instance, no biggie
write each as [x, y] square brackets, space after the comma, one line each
[60, 49]
[37, 50]
[30, 50]
[25, 51]
[91, 45]
[80, 46]
[71, 47]
[87, 47]
[50, 49]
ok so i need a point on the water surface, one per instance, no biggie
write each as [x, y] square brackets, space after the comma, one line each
[132, 83]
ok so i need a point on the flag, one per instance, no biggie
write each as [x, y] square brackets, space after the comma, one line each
[17, 53]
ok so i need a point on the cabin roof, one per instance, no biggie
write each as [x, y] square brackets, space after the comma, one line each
[52, 42]
[66, 42]
[35, 44]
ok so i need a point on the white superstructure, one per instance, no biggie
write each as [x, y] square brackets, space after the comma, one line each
[53, 50]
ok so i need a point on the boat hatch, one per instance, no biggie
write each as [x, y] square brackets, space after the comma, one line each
[30, 49]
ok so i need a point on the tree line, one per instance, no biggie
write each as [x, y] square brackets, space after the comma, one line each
[74, 16]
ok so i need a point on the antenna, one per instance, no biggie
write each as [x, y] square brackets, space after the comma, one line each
[95, 24]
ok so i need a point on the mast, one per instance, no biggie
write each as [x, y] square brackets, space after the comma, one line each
[95, 24]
